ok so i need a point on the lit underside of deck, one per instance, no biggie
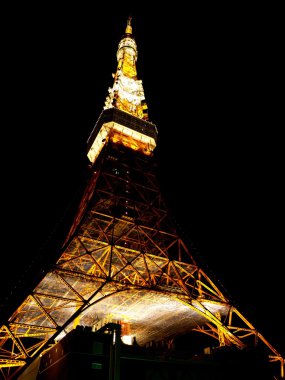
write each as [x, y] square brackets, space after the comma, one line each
[151, 315]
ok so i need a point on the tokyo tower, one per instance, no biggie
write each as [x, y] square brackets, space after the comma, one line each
[124, 267]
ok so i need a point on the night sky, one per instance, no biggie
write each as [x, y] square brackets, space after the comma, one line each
[211, 79]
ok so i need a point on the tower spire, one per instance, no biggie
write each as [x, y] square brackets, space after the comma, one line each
[129, 29]
[127, 93]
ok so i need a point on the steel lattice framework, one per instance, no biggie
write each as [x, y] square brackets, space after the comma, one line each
[124, 259]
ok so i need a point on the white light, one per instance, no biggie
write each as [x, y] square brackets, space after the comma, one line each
[127, 339]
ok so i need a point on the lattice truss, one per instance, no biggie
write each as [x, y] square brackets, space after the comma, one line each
[123, 261]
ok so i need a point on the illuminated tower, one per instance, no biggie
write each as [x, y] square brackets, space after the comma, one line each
[124, 261]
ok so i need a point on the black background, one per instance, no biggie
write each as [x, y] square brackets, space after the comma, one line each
[212, 80]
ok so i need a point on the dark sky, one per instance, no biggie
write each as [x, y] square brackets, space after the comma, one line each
[211, 79]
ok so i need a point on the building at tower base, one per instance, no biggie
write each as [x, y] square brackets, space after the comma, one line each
[102, 355]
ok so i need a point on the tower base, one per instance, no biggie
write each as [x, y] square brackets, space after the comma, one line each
[101, 355]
